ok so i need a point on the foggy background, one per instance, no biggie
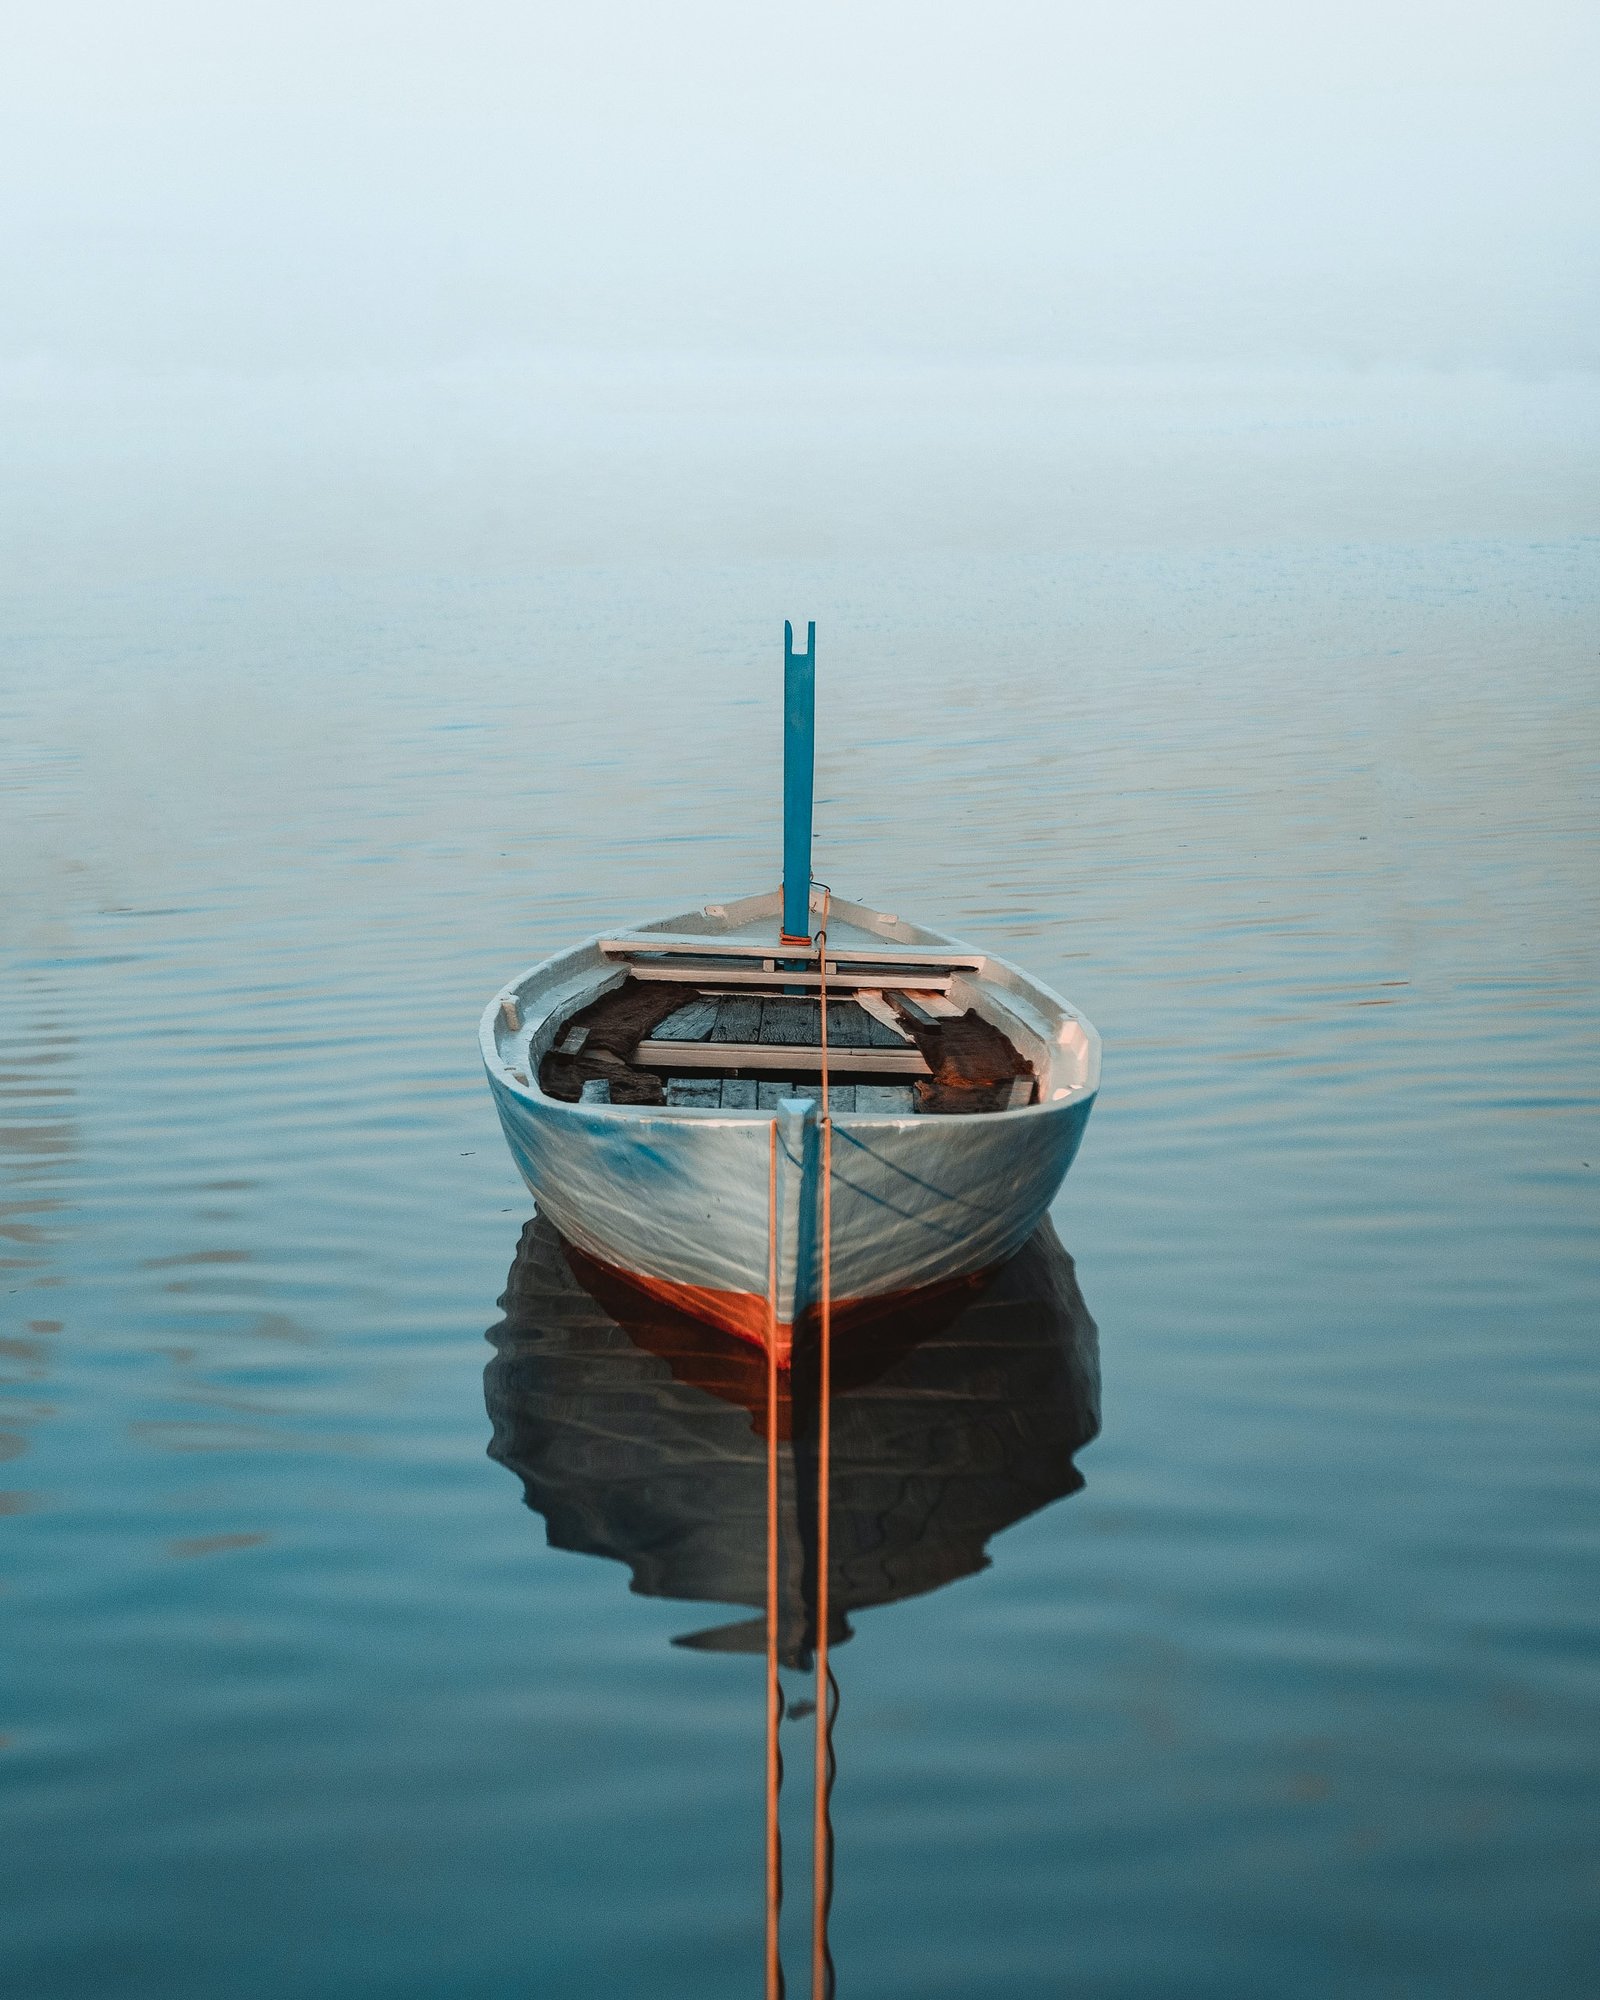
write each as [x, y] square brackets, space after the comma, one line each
[253, 187]
[306, 291]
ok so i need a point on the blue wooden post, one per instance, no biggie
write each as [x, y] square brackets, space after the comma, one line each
[799, 759]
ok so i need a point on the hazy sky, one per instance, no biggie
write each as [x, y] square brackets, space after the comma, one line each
[244, 185]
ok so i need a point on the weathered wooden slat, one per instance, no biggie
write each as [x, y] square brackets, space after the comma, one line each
[672, 944]
[896, 1098]
[572, 1041]
[740, 1093]
[694, 1093]
[692, 1023]
[789, 1021]
[914, 1008]
[713, 979]
[884, 1017]
[1021, 1093]
[738, 1019]
[933, 1005]
[784, 1057]
[848, 1026]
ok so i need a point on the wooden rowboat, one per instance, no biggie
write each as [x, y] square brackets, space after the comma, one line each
[638, 1077]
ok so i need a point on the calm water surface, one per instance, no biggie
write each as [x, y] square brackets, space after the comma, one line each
[1259, 717]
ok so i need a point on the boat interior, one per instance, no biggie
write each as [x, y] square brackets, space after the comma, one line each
[708, 1047]
[717, 1009]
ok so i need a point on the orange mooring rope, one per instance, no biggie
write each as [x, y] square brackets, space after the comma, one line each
[774, 1689]
[822, 1779]
[822, 1971]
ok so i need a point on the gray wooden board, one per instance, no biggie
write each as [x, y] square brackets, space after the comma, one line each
[791, 1022]
[887, 1027]
[703, 1093]
[739, 1093]
[885, 1097]
[692, 1023]
[881, 1036]
[848, 1026]
[738, 1019]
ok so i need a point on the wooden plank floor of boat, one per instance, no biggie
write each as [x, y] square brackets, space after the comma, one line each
[650, 1042]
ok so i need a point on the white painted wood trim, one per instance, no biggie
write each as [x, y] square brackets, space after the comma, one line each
[714, 979]
[675, 944]
[932, 1004]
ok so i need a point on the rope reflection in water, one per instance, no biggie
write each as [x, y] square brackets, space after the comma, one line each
[656, 1441]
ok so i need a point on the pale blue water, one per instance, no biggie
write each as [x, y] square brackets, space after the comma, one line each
[1258, 716]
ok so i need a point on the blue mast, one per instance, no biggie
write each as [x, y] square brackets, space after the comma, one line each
[799, 759]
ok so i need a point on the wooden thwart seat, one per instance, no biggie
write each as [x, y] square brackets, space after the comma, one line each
[788, 1057]
[732, 973]
[893, 958]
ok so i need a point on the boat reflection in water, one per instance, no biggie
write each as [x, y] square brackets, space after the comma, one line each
[640, 1434]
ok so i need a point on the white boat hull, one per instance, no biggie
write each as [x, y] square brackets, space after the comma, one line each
[677, 1199]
